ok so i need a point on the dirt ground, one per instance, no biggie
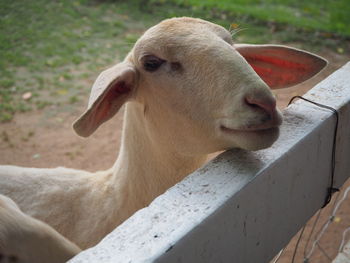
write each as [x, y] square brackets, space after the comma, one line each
[46, 139]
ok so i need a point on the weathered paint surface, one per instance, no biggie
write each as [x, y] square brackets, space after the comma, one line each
[243, 206]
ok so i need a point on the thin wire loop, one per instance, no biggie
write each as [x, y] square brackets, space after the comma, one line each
[278, 255]
[331, 190]
[311, 232]
[297, 244]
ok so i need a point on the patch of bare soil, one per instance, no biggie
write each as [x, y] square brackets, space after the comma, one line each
[46, 139]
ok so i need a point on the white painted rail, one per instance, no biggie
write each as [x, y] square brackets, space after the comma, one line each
[243, 206]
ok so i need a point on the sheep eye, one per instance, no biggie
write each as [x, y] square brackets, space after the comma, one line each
[152, 63]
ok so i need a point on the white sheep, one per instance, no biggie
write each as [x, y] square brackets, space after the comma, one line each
[189, 91]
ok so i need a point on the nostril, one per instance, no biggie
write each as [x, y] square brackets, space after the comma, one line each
[267, 104]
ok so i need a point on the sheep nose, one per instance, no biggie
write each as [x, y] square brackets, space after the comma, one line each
[267, 104]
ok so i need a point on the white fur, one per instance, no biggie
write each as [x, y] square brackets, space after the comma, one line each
[173, 119]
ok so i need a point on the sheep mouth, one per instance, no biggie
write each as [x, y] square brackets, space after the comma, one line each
[257, 130]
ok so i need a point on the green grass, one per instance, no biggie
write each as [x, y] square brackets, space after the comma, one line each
[314, 23]
[319, 15]
[55, 49]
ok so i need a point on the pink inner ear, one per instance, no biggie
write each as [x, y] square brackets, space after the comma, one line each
[280, 63]
[112, 88]
[105, 108]
[278, 72]
[120, 88]
[281, 66]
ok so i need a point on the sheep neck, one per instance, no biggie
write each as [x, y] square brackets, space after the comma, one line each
[144, 170]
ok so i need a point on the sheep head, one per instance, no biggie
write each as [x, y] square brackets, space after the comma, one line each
[197, 90]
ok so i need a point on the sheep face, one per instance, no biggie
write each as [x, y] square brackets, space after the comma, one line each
[197, 89]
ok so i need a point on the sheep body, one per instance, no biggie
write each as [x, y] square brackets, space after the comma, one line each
[32, 239]
[61, 197]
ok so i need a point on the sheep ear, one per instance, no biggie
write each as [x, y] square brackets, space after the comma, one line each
[281, 66]
[112, 88]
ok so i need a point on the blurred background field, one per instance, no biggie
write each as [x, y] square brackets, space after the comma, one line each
[51, 50]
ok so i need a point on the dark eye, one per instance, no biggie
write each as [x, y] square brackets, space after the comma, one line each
[152, 63]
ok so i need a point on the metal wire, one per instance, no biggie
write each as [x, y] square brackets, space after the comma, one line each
[330, 192]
